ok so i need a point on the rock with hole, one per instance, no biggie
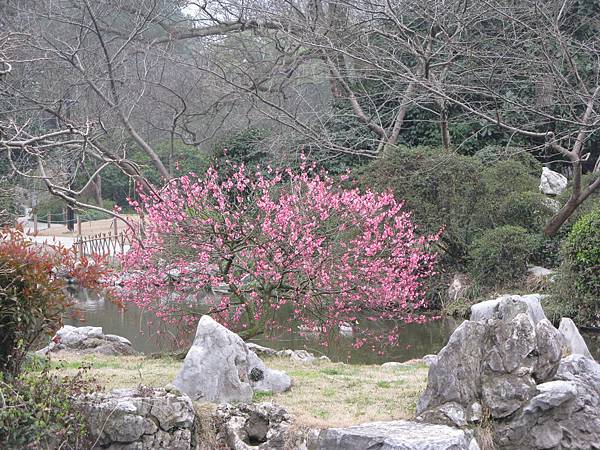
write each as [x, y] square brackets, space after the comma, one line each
[220, 368]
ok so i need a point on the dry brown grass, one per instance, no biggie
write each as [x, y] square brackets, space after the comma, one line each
[120, 371]
[323, 394]
[87, 228]
[336, 394]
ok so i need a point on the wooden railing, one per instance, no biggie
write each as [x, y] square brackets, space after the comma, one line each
[60, 219]
[103, 244]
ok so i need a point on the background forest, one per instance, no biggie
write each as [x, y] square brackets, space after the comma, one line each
[454, 105]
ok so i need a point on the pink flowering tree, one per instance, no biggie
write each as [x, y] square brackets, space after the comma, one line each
[274, 241]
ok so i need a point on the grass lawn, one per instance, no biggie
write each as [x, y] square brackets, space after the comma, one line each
[323, 394]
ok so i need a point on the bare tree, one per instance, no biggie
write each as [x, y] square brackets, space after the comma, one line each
[45, 144]
[534, 73]
[530, 69]
[156, 70]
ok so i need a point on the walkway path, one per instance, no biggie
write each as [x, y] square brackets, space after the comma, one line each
[58, 233]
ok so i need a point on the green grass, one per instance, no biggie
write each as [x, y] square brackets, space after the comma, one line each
[261, 396]
[332, 371]
[323, 393]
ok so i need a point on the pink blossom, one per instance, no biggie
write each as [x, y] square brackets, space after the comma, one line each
[273, 239]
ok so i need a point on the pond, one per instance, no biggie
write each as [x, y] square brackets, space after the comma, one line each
[147, 336]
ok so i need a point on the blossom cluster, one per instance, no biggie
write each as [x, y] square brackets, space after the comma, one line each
[257, 245]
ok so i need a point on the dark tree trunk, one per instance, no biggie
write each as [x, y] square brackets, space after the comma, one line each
[70, 218]
[561, 217]
[444, 129]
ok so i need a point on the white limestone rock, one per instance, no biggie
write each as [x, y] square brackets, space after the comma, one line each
[458, 286]
[487, 309]
[539, 272]
[552, 183]
[574, 343]
[396, 435]
[88, 340]
[263, 379]
[260, 350]
[430, 359]
[219, 367]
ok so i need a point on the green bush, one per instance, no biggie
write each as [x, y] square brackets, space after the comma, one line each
[185, 158]
[180, 159]
[91, 214]
[590, 204]
[582, 246]
[551, 254]
[492, 154]
[37, 411]
[439, 188]
[581, 253]
[55, 206]
[499, 182]
[561, 302]
[499, 256]
[576, 288]
[460, 193]
[244, 146]
[528, 209]
[117, 187]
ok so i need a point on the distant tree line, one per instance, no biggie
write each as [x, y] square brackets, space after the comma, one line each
[141, 90]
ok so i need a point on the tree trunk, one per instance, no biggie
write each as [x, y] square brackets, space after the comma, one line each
[162, 170]
[578, 196]
[562, 216]
[97, 186]
[70, 218]
[445, 132]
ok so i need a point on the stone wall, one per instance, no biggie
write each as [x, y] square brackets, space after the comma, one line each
[140, 419]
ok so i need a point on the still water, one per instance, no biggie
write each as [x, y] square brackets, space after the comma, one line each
[148, 336]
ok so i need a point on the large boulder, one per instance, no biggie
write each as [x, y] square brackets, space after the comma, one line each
[487, 309]
[552, 183]
[507, 365]
[220, 368]
[140, 419]
[395, 435]
[88, 340]
[574, 343]
[564, 413]
[455, 378]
